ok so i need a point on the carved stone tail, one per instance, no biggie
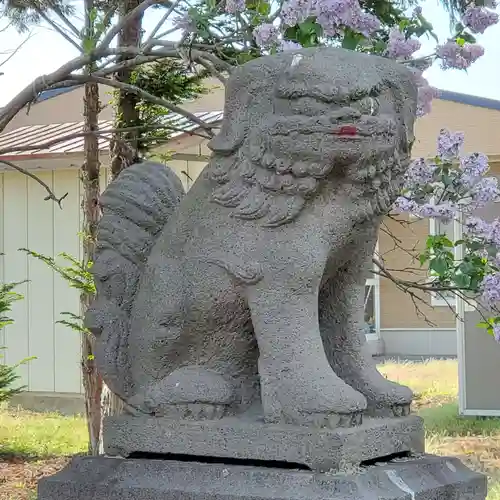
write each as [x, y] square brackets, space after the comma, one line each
[135, 208]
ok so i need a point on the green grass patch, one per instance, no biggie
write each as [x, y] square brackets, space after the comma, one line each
[444, 421]
[41, 435]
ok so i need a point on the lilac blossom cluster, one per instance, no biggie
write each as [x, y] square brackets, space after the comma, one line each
[399, 46]
[490, 288]
[459, 56]
[426, 93]
[266, 35]
[488, 232]
[449, 184]
[235, 6]
[449, 144]
[331, 15]
[478, 19]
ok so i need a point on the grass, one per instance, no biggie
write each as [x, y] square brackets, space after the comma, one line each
[475, 440]
[34, 445]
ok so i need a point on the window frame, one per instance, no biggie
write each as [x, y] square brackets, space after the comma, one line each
[374, 282]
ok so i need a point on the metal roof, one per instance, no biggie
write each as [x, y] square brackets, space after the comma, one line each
[28, 137]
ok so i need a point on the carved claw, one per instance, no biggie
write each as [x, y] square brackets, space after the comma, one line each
[396, 410]
[321, 420]
[193, 411]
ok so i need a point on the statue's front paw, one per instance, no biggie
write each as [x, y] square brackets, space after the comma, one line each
[387, 398]
[192, 393]
[311, 397]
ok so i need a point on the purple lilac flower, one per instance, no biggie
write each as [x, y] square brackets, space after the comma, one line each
[234, 6]
[403, 204]
[473, 167]
[485, 191]
[399, 46]
[334, 14]
[457, 56]
[491, 289]
[265, 35]
[478, 19]
[296, 11]
[487, 231]
[496, 332]
[419, 172]
[289, 45]
[445, 211]
[417, 11]
[449, 144]
[426, 93]
[364, 22]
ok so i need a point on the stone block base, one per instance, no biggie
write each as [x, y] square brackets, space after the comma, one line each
[101, 478]
[231, 438]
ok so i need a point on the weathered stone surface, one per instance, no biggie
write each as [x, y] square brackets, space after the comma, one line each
[319, 449]
[100, 478]
[251, 285]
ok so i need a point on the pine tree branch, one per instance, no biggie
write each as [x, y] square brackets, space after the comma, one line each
[59, 30]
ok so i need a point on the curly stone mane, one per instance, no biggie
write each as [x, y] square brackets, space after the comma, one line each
[257, 183]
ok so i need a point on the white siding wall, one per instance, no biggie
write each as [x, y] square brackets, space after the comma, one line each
[27, 221]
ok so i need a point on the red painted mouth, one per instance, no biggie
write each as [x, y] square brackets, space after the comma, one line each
[349, 130]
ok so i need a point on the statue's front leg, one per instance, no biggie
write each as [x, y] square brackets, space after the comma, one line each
[341, 323]
[298, 385]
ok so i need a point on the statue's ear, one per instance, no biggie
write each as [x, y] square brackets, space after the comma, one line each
[230, 137]
[235, 122]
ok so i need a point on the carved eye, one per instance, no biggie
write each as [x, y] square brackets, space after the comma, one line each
[367, 105]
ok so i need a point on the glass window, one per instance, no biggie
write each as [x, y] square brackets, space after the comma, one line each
[446, 228]
[370, 325]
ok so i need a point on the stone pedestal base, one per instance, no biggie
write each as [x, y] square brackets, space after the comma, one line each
[101, 478]
[320, 450]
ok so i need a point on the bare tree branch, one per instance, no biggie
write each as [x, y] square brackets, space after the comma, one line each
[147, 44]
[145, 95]
[7, 26]
[124, 21]
[66, 72]
[50, 195]
[16, 50]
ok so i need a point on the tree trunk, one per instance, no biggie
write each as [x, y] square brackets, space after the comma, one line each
[92, 381]
[124, 148]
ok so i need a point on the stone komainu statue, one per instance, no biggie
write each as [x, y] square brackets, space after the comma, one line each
[246, 294]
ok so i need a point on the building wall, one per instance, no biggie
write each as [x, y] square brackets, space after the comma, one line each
[480, 125]
[27, 221]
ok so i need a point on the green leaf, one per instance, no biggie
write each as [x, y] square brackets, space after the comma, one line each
[351, 40]
[460, 41]
[483, 324]
[423, 258]
[439, 265]
[462, 280]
